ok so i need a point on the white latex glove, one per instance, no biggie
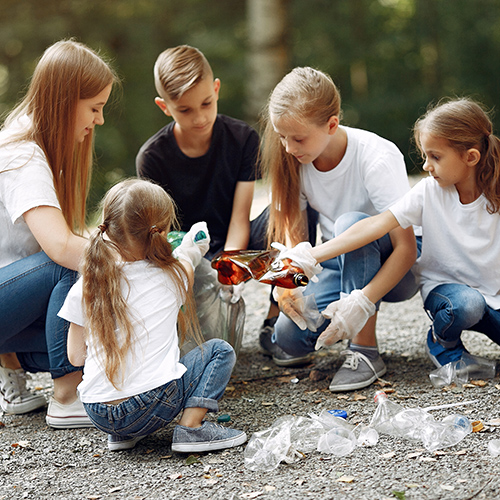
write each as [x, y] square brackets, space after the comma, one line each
[193, 251]
[348, 316]
[232, 293]
[289, 301]
[301, 256]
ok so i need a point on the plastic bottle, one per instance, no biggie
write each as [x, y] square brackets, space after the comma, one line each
[337, 441]
[450, 431]
[409, 423]
[175, 238]
[381, 420]
[237, 266]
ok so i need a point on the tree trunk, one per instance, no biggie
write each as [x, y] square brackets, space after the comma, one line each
[267, 52]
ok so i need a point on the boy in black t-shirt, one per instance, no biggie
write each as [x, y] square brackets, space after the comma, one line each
[205, 161]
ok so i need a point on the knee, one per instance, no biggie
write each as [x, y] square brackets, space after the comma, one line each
[222, 348]
[345, 221]
[471, 306]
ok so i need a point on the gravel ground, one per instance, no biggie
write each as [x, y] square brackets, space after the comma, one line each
[38, 462]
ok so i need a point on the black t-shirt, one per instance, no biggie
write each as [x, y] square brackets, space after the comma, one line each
[202, 188]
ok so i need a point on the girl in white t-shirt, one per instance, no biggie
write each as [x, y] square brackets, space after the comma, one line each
[46, 149]
[458, 208]
[124, 312]
[345, 174]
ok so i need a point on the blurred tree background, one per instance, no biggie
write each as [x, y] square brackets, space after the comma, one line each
[390, 58]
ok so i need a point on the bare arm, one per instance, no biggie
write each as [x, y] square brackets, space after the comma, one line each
[238, 233]
[365, 231]
[77, 349]
[50, 229]
[358, 235]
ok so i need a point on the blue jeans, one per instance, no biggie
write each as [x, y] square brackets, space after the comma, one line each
[345, 273]
[454, 308]
[209, 368]
[32, 291]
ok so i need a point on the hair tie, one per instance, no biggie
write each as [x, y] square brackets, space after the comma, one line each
[153, 229]
[103, 227]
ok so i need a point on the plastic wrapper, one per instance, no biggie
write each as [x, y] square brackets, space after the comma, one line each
[301, 309]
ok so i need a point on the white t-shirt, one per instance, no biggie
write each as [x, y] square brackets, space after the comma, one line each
[370, 178]
[26, 182]
[460, 243]
[153, 359]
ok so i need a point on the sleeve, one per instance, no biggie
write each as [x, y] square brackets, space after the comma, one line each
[408, 210]
[27, 180]
[387, 180]
[72, 309]
[146, 164]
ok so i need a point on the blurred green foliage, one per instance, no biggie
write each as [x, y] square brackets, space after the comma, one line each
[390, 58]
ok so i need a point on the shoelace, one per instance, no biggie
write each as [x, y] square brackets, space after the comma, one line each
[352, 360]
[16, 385]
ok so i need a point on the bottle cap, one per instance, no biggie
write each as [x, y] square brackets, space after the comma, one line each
[477, 426]
[338, 413]
[380, 395]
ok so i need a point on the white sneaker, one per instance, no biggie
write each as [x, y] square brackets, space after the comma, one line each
[72, 416]
[15, 397]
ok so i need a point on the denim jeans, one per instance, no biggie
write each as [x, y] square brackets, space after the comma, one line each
[208, 371]
[454, 308]
[32, 291]
[344, 273]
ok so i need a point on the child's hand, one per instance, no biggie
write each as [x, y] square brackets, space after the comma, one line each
[301, 256]
[348, 316]
[194, 245]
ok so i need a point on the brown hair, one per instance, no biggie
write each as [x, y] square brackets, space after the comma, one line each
[67, 71]
[304, 95]
[178, 70]
[465, 124]
[135, 213]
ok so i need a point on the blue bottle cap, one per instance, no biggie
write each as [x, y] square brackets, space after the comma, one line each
[338, 413]
[224, 418]
[200, 235]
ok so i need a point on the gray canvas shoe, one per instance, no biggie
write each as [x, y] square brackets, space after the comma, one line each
[280, 357]
[208, 437]
[357, 372]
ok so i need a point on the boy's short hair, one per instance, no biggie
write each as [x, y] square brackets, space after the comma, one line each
[178, 70]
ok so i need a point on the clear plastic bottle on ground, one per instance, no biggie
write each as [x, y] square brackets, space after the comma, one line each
[494, 447]
[381, 420]
[450, 431]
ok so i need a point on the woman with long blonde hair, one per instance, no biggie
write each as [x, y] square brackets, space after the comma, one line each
[124, 313]
[46, 149]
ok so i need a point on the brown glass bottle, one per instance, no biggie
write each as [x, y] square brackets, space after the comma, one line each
[237, 266]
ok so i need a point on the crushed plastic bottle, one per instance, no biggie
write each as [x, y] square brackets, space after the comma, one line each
[450, 431]
[367, 436]
[381, 419]
[285, 441]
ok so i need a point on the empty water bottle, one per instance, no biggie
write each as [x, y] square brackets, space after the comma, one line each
[381, 420]
[450, 431]
[410, 422]
[454, 372]
[367, 436]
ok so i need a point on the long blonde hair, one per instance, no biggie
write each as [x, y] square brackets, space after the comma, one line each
[465, 124]
[305, 95]
[66, 72]
[135, 213]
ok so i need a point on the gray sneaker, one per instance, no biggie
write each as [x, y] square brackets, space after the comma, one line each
[357, 372]
[208, 437]
[280, 357]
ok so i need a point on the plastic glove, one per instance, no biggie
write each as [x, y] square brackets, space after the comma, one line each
[349, 315]
[232, 293]
[194, 245]
[300, 308]
[301, 256]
